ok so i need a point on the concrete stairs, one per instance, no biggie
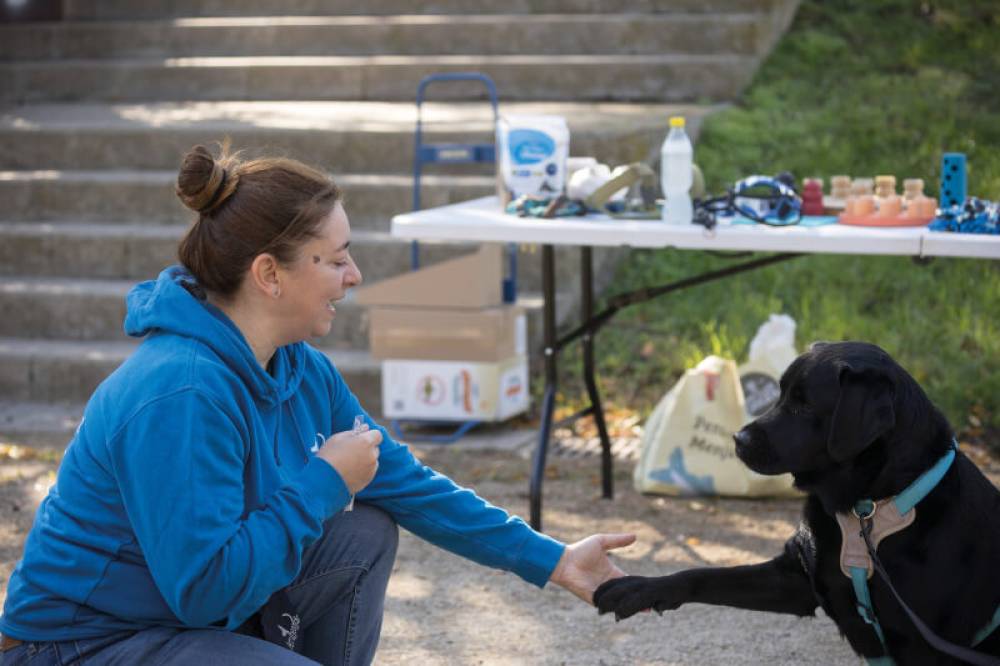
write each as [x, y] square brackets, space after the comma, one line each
[96, 112]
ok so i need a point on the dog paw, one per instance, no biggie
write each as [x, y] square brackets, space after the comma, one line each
[625, 596]
[661, 605]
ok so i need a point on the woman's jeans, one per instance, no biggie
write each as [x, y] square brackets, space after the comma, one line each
[338, 598]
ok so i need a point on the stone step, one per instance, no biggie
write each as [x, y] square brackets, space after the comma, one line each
[397, 35]
[49, 426]
[67, 252]
[59, 371]
[94, 309]
[66, 309]
[43, 383]
[659, 78]
[128, 9]
[136, 251]
[39, 424]
[125, 196]
[358, 137]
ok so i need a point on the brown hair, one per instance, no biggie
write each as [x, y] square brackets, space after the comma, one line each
[246, 208]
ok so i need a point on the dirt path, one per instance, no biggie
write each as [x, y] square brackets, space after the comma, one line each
[442, 609]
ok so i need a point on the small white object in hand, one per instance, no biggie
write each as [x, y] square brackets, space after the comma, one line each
[359, 425]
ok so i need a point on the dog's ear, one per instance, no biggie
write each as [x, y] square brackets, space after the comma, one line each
[864, 412]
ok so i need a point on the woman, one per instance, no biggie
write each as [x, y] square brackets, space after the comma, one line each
[201, 511]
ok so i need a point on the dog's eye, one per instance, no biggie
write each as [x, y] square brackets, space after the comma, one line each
[796, 403]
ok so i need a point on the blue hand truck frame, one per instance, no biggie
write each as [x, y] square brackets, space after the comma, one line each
[452, 153]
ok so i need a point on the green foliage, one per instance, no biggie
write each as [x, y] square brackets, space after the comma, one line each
[860, 88]
[865, 88]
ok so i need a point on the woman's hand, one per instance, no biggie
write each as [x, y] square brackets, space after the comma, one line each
[585, 564]
[354, 455]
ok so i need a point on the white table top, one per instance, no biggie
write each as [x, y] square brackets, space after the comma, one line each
[482, 220]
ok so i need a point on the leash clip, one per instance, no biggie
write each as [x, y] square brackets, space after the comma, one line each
[866, 520]
[868, 516]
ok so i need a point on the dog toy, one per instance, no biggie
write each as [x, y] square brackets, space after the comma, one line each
[976, 216]
[953, 191]
[884, 207]
[812, 197]
[765, 200]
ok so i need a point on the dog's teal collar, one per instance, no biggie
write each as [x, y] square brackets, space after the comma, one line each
[904, 502]
[913, 493]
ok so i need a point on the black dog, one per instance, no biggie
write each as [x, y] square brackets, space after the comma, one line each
[851, 425]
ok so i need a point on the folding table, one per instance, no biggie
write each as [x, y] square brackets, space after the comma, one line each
[483, 220]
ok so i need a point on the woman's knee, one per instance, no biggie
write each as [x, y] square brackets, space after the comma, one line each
[363, 536]
[380, 528]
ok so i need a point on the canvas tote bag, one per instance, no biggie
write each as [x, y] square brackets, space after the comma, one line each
[688, 447]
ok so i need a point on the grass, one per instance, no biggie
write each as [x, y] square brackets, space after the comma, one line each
[861, 88]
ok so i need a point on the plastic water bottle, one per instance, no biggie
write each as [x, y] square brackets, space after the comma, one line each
[676, 156]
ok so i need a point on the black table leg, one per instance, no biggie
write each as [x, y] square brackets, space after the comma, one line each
[588, 327]
[587, 305]
[548, 402]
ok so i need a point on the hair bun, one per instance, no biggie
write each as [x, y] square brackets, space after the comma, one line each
[203, 183]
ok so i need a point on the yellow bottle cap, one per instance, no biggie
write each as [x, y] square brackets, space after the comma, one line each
[677, 121]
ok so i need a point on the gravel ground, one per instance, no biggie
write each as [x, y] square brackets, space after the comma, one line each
[442, 609]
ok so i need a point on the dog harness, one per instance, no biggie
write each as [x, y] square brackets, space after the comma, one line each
[882, 518]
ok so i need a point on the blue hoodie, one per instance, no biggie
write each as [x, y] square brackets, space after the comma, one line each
[191, 487]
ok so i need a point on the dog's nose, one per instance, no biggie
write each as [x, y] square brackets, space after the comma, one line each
[742, 438]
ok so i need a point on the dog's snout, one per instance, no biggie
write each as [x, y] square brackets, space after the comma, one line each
[748, 444]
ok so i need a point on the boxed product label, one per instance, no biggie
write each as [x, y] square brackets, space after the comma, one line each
[454, 390]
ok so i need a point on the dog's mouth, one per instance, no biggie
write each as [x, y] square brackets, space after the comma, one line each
[755, 451]
[809, 480]
[743, 448]
[756, 455]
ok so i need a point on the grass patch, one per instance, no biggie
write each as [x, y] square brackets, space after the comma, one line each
[861, 88]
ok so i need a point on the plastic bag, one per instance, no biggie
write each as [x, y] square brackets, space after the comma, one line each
[587, 180]
[771, 351]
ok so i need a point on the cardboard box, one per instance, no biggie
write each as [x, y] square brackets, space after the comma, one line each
[454, 390]
[470, 281]
[451, 349]
[487, 334]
